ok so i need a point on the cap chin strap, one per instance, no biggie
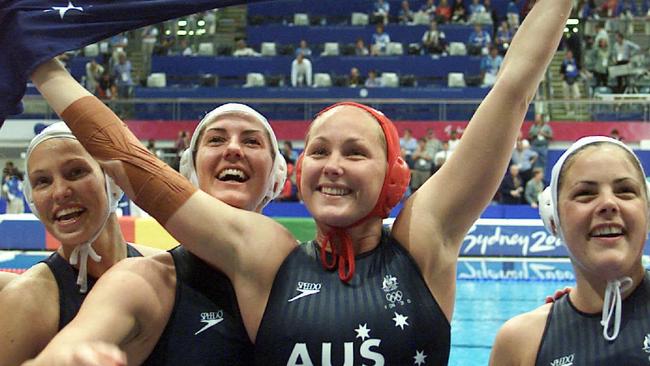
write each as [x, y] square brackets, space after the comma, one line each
[613, 305]
[80, 255]
[344, 255]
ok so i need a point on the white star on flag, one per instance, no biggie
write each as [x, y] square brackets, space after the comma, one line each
[419, 358]
[363, 332]
[64, 9]
[400, 320]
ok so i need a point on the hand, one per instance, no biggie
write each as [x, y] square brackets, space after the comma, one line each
[557, 295]
[85, 354]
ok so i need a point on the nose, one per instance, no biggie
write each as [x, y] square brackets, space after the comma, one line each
[608, 204]
[333, 166]
[61, 190]
[233, 151]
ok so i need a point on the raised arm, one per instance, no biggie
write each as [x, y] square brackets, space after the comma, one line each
[437, 217]
[218, 233]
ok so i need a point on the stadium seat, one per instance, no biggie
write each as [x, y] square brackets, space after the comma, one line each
[456, 80]
[421, 18]
[157, 80]
[206, 49]
[389, 79]
[394, 49]
[359, 19]
[254, 79]
[300, 19]
[602, 90]
[457, 49]
[330, 49]
[92, 50]
[322, 80]
[268, 49]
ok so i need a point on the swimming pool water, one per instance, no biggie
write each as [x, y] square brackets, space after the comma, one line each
[481, 309]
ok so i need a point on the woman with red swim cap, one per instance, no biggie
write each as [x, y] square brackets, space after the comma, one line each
[357, 294]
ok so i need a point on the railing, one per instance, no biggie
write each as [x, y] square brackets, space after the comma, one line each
[611, 107]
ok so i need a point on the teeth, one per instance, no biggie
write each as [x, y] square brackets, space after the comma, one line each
[232, 172]
[68, 211]
[607, 230]
[335, 191]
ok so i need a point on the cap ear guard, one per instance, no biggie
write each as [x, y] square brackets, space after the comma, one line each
[186, 167]
[545, 207]
[113, 192]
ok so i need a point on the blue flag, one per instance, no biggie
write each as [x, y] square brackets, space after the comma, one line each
[34, 31]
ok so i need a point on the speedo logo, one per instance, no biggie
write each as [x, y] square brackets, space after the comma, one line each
[210, 319]
[306, 289]
[563, 361]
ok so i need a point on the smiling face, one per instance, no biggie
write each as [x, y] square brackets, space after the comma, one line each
[603, 211]
[233, 161]
[344, 166]
[68, 190]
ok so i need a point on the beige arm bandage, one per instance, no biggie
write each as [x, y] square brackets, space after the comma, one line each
[157, 188]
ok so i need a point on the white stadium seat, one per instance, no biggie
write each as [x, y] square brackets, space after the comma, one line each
[254, 79]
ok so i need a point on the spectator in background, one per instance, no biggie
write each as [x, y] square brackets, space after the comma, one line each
[600, 59]
[512, 187]
[354, 78]
[534, 186]
[381, 10]
[118, 43]
[433, 144]
[371, 80]
[479, 40]
[615, 134]
[490, 65]
[301, 71]
[540, 136]
[623, 52]
[303, 48]
[12, 188]
[106, 88]
[512, 14]
[475, 8]
[454, 140]
[443, 12]
[405, 15]
[601, 33]
[242, 50]
[360, 48]
[459, 14]
[570, 75]
[429, 8]
[408, 144]
[585, 9]
[123, 78]
[524, 157]
[290, 156]
[94, 73]
[380, 41]
[441, 156]
[503, 37]
[149, 39]
[433, 40]
[422, 165]
[182, 143]
[184, 48]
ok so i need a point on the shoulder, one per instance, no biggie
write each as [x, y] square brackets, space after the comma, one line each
[149, 281]
[146, 250]
[517, 342]
[33, 298]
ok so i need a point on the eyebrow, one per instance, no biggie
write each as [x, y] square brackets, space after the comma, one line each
[245, 132]
[616, 181]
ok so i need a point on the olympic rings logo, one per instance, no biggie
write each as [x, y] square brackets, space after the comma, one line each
[394, 296]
